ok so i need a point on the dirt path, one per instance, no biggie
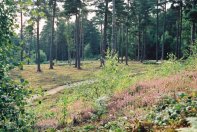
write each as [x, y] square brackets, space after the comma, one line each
[60, 88]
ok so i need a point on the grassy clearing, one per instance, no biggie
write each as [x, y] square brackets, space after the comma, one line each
[61, 75]
[132, 89]
[82, 98]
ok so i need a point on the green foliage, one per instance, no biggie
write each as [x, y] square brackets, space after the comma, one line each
[87, 51]
[173, 110]
[120, 125]
[13, 116]
[43, 57]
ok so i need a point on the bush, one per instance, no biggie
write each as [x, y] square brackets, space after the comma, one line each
[13, 116]
[43, 57]
[174, 110]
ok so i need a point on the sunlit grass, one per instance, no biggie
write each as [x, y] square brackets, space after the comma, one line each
[60, 75]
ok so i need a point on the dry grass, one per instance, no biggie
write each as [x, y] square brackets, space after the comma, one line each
[61, 75]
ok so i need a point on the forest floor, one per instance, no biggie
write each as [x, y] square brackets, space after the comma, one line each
[62, 74]
[72, 106]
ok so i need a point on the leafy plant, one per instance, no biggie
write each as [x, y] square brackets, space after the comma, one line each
[173, 110]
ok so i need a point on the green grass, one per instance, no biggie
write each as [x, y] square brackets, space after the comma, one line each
[60, 75]
[82, 97]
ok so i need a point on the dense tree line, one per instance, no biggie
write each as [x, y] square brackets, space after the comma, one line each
[135, 29]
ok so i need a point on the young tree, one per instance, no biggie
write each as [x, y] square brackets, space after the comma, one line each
[36, 15]
[73, 7]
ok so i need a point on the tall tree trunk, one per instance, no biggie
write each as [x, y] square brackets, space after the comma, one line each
[113, 27]
[105, 30]
[38, 46]
[139, 45]
[142, 47]
[177, 40]
[119, 42]
[180, 32]
[164, 30]
[144, 54]
[82, 38]
[52, 34]
[139, 39]
[122, 43]
[127, 45]
[157, 43]
[101, 42]
[77, 41]
[22, 43]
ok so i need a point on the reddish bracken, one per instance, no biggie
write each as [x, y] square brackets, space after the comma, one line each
[148, 93]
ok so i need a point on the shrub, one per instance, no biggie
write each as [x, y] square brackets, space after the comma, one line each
[173, 110]
[43, 57]
[13, 116]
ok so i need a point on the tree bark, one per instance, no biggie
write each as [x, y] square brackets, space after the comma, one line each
[22, 43]
[113, 27]
[164, 30]
[38, 47]
[127, 45]
[52, 34]
[157, 43]
[77, 41]
[181, 28]
[122, 43]
[105, 30]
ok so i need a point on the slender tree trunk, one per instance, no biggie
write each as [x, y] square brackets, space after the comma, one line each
[101, 42]
[122, 43]
[127, 45]
[113, 27]
[164, 30]
[139, 44]
[82, 38]
[38, 47]
[144, 54]
[139, 39]
[157, 43]
[181, 28]
[52, 34]
[77, 41]
[142, 47]
[119, 43]
[105, 30]
[177, 40]
[22, 43]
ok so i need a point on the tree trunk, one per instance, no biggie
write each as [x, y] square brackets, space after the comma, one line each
[144, 52]
[164, 30]
[139, 44]
[113, 27]
[105, 30]
[122, 43]
[157, 43]
[127, 45]
[139, 39]
[77, 41]
[38, 47]
[101, 42]
[181, 28]
[52, 34]
[22, 43]
[177, 40]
